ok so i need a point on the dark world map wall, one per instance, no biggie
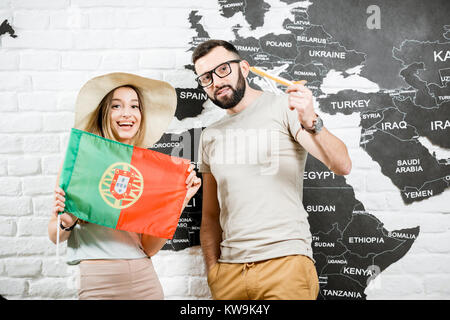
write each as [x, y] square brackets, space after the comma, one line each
[408, 58]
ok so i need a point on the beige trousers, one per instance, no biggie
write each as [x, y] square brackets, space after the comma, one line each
[133, 279]
[285, 278]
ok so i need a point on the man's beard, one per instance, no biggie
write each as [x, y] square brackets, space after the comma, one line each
[236, 96]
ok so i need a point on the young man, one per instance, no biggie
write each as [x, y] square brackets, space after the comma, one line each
[254, 233]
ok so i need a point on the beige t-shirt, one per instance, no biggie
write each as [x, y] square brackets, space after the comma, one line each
[258, 166]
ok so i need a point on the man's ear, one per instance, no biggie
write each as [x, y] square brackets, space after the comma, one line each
[245, 68]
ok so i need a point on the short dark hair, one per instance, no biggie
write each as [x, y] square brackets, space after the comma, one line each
[204, 48]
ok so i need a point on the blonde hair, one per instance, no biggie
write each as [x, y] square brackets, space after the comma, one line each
[99, 122]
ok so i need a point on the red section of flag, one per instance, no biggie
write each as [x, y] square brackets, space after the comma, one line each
[158, 209]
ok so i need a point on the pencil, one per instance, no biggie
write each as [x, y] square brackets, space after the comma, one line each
[278, 79]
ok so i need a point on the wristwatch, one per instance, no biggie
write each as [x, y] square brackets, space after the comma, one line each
[316, 127]
[68, 228]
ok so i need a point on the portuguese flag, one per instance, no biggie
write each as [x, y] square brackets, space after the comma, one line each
[123, 187]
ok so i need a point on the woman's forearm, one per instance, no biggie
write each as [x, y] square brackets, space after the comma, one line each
[52, 231]
[151, 244]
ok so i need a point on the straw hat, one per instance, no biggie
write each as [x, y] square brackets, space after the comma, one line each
[159, 99]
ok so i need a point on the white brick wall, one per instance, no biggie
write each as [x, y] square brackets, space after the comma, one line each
[63, 43]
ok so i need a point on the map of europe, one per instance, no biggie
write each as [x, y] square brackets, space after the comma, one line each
[409, 100]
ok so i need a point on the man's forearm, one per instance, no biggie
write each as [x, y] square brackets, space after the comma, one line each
[210, 238]
[334, 150]
[323, 145]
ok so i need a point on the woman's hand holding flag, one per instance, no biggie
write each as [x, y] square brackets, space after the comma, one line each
[193, 183]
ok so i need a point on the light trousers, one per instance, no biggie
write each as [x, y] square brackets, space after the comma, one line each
[133, 279]
[286, 278]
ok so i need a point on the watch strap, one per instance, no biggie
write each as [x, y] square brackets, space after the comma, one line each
[313, 129]
[68, 228]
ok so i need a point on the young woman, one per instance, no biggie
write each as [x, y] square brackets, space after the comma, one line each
[116, 264]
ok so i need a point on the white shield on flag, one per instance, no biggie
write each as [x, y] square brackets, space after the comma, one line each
[121, 184]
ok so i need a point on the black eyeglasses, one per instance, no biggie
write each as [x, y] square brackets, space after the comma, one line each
[222, 70]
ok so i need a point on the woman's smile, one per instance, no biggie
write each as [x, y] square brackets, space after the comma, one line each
[125, 114]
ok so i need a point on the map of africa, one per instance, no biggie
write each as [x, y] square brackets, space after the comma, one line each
[397, 79]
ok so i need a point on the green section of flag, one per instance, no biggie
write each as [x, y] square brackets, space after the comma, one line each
[88, 157]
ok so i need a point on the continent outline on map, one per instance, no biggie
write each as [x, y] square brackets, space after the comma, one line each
[382, 101]
[395, 51]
